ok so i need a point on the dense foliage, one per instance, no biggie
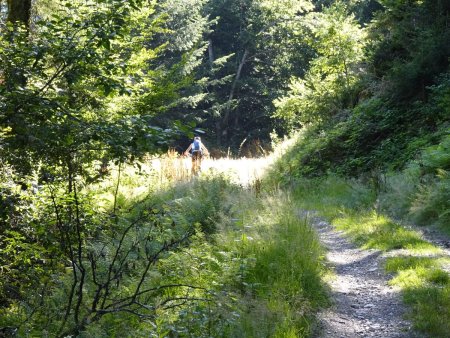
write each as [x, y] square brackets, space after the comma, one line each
[374, 106]
[89, 88]
[383, 108]
[81, 83]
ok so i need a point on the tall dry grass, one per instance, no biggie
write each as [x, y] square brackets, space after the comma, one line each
[173, 167]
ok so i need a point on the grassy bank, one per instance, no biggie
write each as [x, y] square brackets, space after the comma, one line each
[282, 285]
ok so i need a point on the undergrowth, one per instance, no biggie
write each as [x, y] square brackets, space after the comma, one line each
[426, 288]
[282, 286]
[419, 193]
[258, 260]
[157, 257]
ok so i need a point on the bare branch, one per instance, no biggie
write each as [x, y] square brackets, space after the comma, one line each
[183, 300]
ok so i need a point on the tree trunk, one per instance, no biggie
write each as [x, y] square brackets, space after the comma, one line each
[226, 117]
[238, 75]
[210, 52]
[19, 11]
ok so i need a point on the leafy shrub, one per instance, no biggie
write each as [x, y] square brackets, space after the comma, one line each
[201, 201]
[432, 202]
[23, 252]
[400, 190]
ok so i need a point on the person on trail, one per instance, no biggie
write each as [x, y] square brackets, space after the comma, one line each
[197, 150]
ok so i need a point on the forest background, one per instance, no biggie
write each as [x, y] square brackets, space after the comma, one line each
[90, 90]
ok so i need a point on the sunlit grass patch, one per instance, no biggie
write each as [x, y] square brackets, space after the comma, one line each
[283, 270]
[426, 288]
[395, 237]
[129, 183]
[420, 276]
[361, 212]
[380, 232]
[396, 264]
[430, 309]
[424, 284]
[242, 171]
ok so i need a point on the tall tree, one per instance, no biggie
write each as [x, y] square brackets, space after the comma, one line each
[410, 46]
[184, 26]
[327, 87]
[259, 36]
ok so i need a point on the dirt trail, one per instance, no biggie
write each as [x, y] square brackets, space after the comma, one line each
[364, 304]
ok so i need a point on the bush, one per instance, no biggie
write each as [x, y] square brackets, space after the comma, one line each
[400, 190]
[432, 202]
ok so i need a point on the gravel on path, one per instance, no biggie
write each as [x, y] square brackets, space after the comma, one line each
[364, 305]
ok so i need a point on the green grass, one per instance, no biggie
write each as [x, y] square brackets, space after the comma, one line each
[250, 267]
[431, 309]
[332, 195]
[379, 232]
[268, 260]
[396, 264]
[282, 281]
[426, 289]
[267, 263]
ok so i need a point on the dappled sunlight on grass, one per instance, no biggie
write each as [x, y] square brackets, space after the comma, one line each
[243, 171]
[431, 309]
[158, 173]
[395, 264]
[272, 263]
[392, 237]
[419, 274]
[424, 249]
[284, 268]
[426, 288]
[379, 232]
